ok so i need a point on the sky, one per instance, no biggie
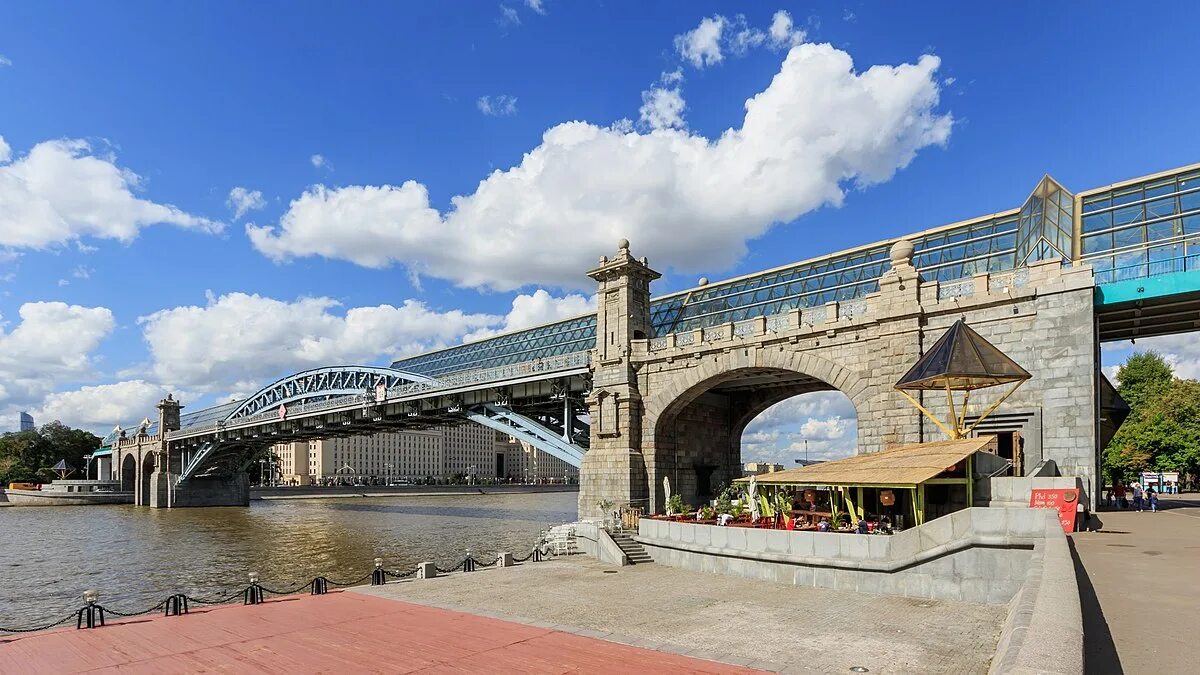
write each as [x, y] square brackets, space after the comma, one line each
[204, 197]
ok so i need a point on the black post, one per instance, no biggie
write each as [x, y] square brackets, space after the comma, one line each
[176, 604]
[92, 615]
[320, 586]
[253, 594]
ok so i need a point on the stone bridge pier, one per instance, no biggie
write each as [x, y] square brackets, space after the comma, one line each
[675, 406]
[149, 467]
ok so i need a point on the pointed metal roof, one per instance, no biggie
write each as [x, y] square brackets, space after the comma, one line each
[962, 360]
[61, 466]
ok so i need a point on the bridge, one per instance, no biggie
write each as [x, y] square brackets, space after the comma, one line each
[651, 387]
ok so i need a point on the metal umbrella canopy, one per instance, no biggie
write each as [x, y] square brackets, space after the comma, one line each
[961, 360]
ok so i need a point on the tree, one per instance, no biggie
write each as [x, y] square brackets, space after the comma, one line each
[1162, 431]
[1145, 376]
[27, 456]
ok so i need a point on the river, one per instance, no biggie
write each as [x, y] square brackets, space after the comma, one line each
[136, 557]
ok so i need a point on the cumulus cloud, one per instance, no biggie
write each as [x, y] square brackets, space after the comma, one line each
[701, 46]
[508, 17]
[243, 200]
[52, 344]
[662, 108]
[1181, 352]
[101, 407]
[497, 106]
[61, 191]
[319, 162]
[782, 33]
[537, 309]
[538, 6]
[241, 341]
[5, 61]
[823, 422]
[688, 202]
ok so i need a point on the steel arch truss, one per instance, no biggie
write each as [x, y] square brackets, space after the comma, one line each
[320, 384]
[525, 429]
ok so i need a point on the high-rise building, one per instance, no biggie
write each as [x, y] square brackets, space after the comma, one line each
[26, 422]
[521, 462]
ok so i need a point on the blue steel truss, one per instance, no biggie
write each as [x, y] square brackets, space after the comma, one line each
[321, 383]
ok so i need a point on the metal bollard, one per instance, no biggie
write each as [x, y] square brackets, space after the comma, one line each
[320, 586]
[176, 604]
[378, 577]
[254, 593]
[91, 614]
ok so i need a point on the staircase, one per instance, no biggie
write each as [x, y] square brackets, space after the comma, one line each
[632, 550]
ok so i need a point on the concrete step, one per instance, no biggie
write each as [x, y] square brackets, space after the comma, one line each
[632, 550]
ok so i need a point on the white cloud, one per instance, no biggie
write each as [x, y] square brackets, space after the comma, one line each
[537, 309]
[1181, 352]
[63, 282]
[850, 16]
[782, 33]
[536, 5]
[497, 106]
[82, 272]
[60, 191]
[508, 17]
[52, 344]
[688, 202]
[240, 341]
[701, 46]
[319, 162]
[101, 407]
[5, 61]
[662, 108]
[823, 422]
[743, 37]
[242, 200]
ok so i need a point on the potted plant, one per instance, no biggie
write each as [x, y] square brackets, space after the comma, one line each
[675, 505]
[606, 507]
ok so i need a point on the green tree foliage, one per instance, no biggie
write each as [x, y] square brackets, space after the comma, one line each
[1162, 431]
[27, 456]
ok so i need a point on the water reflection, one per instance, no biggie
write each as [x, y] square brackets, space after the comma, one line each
[136, 557]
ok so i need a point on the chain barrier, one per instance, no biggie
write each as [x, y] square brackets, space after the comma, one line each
[92, 614]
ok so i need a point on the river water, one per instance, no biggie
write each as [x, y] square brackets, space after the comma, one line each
[136, 557]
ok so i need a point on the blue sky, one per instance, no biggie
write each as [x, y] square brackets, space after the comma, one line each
[321, 114]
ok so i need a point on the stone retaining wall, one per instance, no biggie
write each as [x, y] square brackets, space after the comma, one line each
[975, 555]
[1043, 632]
[596, 542]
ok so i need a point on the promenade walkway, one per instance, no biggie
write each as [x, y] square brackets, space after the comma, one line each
[1139, 589]
[760, 624]
[335, 633]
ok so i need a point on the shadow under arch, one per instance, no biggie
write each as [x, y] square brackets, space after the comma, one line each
[128, 473]
[694, 427]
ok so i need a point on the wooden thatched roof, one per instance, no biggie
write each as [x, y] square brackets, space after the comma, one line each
[905, 465]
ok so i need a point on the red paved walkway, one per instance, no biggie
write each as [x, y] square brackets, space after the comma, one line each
[334, 633]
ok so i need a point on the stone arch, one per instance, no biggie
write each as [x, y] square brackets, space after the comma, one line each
[693, 423]
[147, 469]
[128, 469]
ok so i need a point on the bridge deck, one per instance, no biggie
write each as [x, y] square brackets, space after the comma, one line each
[338, 632]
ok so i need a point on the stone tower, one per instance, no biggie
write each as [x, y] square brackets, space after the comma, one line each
[613, 468]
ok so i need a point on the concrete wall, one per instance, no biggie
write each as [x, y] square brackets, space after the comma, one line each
[595, 541]
[974, 555]
[1015, 491]
[1043, 632]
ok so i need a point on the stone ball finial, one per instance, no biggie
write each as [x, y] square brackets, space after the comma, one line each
[622, 244]
[603, 259]
[644, 260]
[703, 281]
[902, 252]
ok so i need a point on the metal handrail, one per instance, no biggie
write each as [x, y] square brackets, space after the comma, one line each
[1183, 263]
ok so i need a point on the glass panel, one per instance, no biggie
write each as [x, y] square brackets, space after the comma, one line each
[1096, 203]
[1191, 200]
[1129, 214]
[1126, 196]
[1163, 230]
[1130, 265]
[1160, 207]
[1191, 224]
[1097, 222]
[1129, 236]
[1097, 242]
[1160, 188]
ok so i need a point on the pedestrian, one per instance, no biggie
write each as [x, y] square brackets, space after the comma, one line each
[1137, 496]
[1120, 492]
[1108, 497]
[1152, 497]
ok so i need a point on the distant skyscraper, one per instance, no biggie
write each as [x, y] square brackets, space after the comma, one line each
[26, 422]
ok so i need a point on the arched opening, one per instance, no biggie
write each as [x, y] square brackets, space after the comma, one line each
[698, 438]
[147, 470]
[128, 473]
[804, 429]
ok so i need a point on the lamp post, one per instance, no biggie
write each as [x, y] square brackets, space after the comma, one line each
[262, 463]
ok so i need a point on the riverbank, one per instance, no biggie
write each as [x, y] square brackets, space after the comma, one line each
[346, 491]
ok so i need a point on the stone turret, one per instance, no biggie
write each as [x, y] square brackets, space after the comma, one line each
[613, 468]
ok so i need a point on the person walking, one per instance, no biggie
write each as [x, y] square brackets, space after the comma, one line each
[1120, 492]
[1137, 497]
[1152, 497]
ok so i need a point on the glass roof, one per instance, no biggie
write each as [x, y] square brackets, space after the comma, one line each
[962, 360]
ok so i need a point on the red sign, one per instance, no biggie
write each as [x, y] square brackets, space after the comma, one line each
[1065, 500]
